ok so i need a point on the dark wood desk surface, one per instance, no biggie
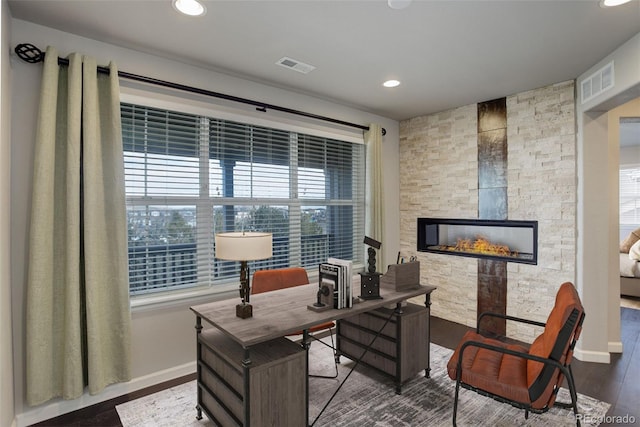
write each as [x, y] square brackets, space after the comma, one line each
[285, 311]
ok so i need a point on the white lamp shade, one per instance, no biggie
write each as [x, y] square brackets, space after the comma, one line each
[244, 246]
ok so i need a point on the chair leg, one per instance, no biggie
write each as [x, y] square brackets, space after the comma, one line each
[455, 398]
[335, 363]
[572, 392]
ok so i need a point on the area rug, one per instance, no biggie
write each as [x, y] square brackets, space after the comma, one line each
[368, 399]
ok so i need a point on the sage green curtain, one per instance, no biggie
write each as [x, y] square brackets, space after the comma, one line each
[77, 300]
[374, 195]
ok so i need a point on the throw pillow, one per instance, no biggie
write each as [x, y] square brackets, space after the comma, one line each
[626, 244]
[634, 252]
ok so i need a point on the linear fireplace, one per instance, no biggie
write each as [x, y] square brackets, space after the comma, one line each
[512, 241]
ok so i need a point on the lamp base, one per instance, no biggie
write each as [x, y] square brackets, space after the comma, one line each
[244, 311]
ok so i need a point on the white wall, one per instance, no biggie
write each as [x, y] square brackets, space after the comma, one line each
[163, 338]
[597, 268]
[6, 371]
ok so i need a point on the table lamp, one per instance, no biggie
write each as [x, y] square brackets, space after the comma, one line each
[244, 246]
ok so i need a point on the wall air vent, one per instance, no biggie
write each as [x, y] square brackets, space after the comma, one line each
[597, 83]
[294, 64]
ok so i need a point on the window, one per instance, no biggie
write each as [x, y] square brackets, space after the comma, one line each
[189, 177]
[629, 198]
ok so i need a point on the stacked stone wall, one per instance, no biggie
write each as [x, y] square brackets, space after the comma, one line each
[439, 178]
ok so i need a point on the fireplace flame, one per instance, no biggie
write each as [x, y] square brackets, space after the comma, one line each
[482, 245]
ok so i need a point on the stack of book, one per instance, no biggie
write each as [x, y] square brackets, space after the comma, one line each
[337, 273]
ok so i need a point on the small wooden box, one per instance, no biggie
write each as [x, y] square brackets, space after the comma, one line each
[401, 276]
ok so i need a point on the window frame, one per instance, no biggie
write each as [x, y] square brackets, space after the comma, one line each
[228, 287]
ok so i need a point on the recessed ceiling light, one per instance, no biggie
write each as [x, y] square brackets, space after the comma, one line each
[398, 4]
[391, 83]
[189, 7]
[611, 3]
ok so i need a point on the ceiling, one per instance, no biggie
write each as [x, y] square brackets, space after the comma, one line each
[445, 53]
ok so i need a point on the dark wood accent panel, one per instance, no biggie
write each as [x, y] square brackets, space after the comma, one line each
[492, 115]
[492, 159]
[492, 294]
[492, 204]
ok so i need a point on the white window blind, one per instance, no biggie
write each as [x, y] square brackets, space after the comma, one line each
[629, 199]
[189, 177]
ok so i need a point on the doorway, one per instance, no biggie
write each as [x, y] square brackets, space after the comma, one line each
[629, 204]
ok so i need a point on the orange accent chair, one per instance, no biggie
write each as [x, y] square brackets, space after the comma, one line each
[525, 378]
[271, 280]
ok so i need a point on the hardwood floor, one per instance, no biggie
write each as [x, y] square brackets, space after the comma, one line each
[616, 383]
[104, 414]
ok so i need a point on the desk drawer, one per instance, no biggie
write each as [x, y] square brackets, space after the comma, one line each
[402, 349]
[354, 332]
[276, 379]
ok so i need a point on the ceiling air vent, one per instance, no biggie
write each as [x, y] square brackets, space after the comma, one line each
[597, 82]
[295, 65]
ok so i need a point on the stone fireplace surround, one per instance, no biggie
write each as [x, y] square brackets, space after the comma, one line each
[439, 179]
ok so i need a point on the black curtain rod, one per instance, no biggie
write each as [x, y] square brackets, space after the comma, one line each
[32, 54]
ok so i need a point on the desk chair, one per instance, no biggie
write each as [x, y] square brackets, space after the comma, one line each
[271, 280]
[525, 378]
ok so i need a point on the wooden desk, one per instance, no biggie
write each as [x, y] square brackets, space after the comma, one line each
[275, 314]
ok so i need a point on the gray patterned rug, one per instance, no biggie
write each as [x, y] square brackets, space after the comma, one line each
[368, 399]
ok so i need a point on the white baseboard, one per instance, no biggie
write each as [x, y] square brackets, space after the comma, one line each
[59, 407]
[615, 347]
[592, 356]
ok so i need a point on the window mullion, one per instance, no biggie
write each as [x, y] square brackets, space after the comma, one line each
[295, 233]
